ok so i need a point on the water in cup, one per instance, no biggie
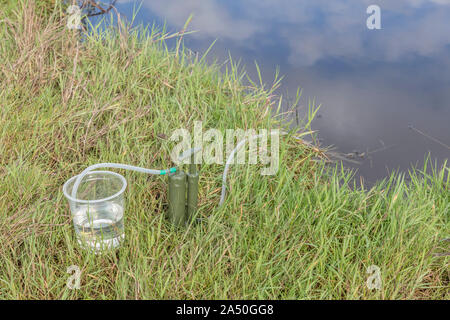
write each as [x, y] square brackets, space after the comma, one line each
[99, 227]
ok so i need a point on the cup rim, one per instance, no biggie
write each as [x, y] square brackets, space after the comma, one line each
[69, 197]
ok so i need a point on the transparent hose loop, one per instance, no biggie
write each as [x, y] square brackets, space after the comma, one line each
[80, 177]
[185, 155]
[231, 158]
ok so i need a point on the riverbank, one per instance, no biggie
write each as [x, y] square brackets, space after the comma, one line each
[303, 233]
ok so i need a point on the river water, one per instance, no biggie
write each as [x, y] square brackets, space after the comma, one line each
[384, 93]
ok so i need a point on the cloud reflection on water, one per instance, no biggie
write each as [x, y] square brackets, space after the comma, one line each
[317, 29]
[372, 83]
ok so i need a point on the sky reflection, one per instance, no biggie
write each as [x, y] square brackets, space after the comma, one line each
[372, 84]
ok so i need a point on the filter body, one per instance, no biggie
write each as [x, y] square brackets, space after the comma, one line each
[192, 194]
[177, 198]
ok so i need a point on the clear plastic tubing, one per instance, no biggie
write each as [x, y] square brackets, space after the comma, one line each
[171, 170]
[231, 158]
[116, 166]
[186, 154]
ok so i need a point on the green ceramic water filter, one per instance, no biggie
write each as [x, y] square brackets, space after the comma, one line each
[177, 198]
[192, 196]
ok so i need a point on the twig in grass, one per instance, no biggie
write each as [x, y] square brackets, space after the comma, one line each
[445, 254]
[97, 6]
[429, 137]
[181, 33]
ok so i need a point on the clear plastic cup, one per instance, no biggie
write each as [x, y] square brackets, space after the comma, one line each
[98, 209]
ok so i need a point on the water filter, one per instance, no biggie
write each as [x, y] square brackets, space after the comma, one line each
[183, 196]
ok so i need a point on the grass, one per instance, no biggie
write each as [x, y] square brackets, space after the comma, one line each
[306, 233]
